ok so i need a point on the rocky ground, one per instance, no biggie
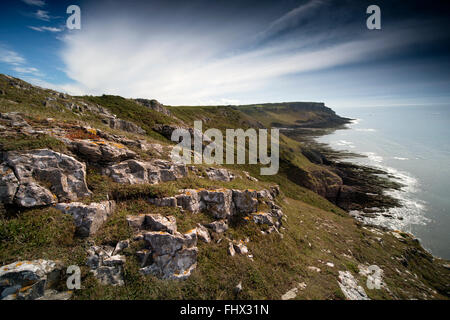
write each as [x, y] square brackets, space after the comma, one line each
[88, 181]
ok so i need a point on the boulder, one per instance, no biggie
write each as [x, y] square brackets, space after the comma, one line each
[218, 226]
[240, 248]
[30, 194]
[245, 201]
[99, 150]
[190, 200]
[218, 202]
[203, 233]
[88, 218]
[106, 267]
[157, 222]
[174, 256]
[219, 174]
[262, 218]
[37, 169]
[29, 280]
[350, 287]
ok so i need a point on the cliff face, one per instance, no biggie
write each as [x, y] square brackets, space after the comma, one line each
[88, 181]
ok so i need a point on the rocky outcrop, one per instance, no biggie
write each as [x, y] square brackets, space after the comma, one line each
[29, 280]
[43, 177]
[245, 201]
[154, 105]
[119, 124]
[218, 202]
[225, 203]
[154, 222]
[99, 150]
[140, 172]
[350, 287]
[174, 256]
[219, 174]
[106, 267]
[167, 253]
[88, 218]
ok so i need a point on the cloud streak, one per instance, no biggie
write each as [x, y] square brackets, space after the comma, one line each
[37, 3]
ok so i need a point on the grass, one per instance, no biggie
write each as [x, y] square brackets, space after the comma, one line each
[38, 234]
[23, 143]
[316, 231]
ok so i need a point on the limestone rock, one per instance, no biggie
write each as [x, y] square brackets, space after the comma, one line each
[8, 184]
[219, 174]
[203, 233]
[106, 267]
[103, 151]
[139, 172]
[174, 256]
[65, 175]
[262, 218]
[350, 287]
[157, 222]
[218, 226]
[218, 202]
[230, 249]
[116, 123]
[245, 201]
[28, 280]
[190, 200]
[155, 105]
[88, 218]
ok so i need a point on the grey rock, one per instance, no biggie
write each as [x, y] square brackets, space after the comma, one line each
[65, 175]
[119, 124]
[219, 174]
[88, 218]
[28, 280]
[174, 255]
[218, 226]
[203, 233]
[101, 150]
[350, 287]
[245, 201]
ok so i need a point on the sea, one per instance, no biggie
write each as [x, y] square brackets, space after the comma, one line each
[412, 144]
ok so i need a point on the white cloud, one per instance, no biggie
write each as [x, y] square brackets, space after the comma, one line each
[28, 70]
[11, 57]
[42, 29]
[292, 18]
[38, 3]
[42, 15]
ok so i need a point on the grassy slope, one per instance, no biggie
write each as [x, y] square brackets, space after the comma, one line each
[316, 229]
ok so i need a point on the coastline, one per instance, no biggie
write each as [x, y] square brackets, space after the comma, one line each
[366, 192]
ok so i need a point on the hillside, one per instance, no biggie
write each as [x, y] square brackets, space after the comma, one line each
[88, 181]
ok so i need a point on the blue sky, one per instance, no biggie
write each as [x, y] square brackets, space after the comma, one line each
[233, 52]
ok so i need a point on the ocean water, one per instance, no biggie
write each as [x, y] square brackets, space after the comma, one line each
[413, 145]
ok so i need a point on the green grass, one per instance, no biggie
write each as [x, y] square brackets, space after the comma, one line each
[23, 142]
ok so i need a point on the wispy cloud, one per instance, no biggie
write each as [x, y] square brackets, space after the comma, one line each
[11, 57]
[42, 15]
[28, 70]
[43, 28]
[17, 63]
[292, 18]
[38, 3]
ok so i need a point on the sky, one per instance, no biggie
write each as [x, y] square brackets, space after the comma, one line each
[194, 52]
